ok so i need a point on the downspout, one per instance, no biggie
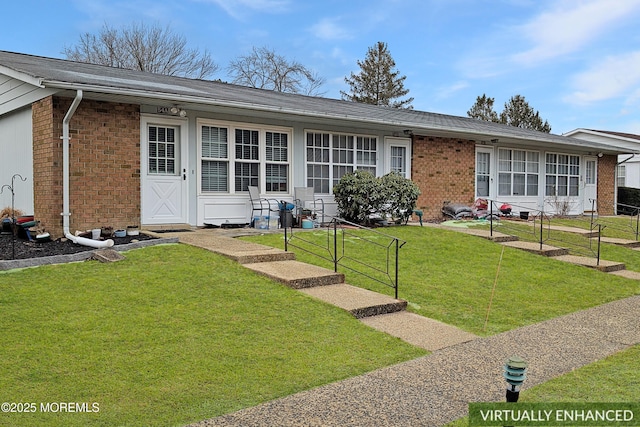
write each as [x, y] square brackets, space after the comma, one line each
[65, 182]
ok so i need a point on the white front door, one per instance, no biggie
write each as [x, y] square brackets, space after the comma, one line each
[163, 171]
[590, 184]
[484, 179]
[398, 156]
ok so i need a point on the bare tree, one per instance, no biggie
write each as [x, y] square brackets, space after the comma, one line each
[145, 48]
[263, 68]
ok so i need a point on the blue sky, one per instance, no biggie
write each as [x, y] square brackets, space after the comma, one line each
[576, 62]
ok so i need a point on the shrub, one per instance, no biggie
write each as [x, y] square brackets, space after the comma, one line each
[359, 195]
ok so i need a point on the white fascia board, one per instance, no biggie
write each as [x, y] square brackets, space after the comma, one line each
[35, 81]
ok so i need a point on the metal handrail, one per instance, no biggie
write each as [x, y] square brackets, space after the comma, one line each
[543, 232]
[633, 212]
[335, 248]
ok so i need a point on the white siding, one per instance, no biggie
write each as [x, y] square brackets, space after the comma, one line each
[16, 157]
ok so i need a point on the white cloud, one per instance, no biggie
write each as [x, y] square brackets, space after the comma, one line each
[569, 26]
[237, 8]
[329, 29]
[613, 77]
[449, 91]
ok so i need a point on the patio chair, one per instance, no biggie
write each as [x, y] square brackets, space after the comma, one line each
[264, 206]
[306, 200]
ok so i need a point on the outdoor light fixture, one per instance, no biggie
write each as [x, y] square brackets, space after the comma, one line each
[408, 132]
[515, 372]
[494, 141]
[178, 111]
[600, 154]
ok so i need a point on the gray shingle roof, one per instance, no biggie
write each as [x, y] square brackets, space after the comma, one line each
[63, 74]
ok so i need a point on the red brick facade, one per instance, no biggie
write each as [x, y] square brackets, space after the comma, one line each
[606, 184]
[444, 169]
[105, 167]
[104, 164]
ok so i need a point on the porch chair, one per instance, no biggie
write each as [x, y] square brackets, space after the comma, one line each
[261, 204]
[305, 199]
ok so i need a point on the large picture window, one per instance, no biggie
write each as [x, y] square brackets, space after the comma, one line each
[331, 155]
[234, 157]
[562, 174]
[518, 172]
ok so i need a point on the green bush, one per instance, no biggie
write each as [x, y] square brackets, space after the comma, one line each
[359, 195]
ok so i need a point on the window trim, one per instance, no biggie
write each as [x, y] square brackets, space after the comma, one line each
[331, 164]
[557, 173]
[232, 160]
[512, 172]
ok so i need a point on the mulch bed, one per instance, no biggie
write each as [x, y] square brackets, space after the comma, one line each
[25, 249]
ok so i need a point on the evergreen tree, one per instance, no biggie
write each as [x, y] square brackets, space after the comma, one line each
[517, 112]
[378, 82]
[483, 109]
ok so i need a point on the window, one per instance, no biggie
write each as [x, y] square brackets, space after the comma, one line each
[162, 150]
[232, 158]
[330, 156]
[621, 176]
[398, 160]
[518, 172]
[483, 173]
[562, 175]
[215, 161]
[277, 157]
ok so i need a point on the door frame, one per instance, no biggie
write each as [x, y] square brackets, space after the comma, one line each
[397, 142]
[492, 190]
[183, 135]
[586, 203]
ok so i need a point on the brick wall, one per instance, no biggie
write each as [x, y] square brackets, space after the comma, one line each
[444, 169]
[606, 184]
[104, 164]
[47, 167]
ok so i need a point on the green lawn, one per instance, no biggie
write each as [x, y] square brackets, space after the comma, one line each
[171, 335]
[449, 276]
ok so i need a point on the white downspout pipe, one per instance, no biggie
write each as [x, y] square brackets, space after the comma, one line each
[65, 182]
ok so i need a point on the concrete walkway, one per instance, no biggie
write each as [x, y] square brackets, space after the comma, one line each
[432, 390]
[436, 389]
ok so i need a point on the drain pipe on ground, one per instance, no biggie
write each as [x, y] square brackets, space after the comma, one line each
[65, 182]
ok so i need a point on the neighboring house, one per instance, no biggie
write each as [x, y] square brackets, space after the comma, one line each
[628, 169]
[103, 146]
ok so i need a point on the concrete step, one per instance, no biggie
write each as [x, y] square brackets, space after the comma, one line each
[621, 242]
[359, 302]
[603, 265]
[545, 250]
[627, 274]
[296, 274]
[419, 331]
[238, 250]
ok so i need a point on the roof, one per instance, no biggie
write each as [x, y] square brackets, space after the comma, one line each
[97, 79]
[619, 134]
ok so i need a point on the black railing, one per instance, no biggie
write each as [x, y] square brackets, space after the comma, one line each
[534, 225]
[363, 250]
[630, 229]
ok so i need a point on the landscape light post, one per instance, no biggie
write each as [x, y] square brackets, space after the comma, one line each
[515, 372]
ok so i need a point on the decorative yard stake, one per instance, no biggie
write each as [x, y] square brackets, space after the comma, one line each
[13, 210]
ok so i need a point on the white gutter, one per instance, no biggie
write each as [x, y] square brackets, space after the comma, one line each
[65, 182]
